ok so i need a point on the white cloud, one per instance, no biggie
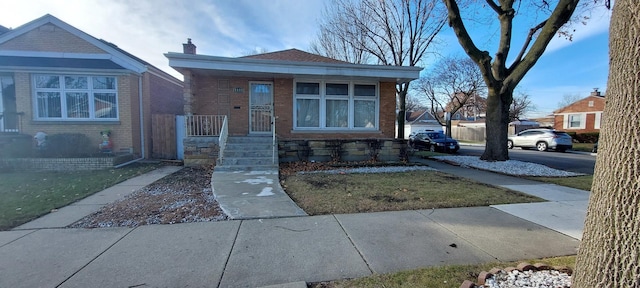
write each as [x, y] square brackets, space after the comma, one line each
[148, 29]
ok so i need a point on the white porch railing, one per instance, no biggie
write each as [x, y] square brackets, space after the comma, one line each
[204, 125]
[222, 139]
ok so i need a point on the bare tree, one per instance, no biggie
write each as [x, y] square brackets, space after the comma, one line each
[334, 45]
[609, 254]
[392, 32]
[521, 106]
[568, 99]
[501, 79]
[414, 104]
[255, 51]
[452, 84]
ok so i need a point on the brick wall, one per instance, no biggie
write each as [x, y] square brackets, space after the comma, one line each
[123, 131]
[581, 107]
[62, 164]
[49, 37]
[230, 96]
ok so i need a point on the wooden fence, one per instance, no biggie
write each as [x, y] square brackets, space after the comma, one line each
[474, 134]
[163, 136]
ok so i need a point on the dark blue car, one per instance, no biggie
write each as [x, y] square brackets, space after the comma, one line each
[433, 141]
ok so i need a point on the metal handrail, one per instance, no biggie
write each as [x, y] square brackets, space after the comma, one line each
[273, 133]
[222, 139]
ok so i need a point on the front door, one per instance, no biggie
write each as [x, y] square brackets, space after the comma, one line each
[260, 107]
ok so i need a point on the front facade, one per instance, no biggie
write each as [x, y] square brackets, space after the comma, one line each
[305, 96]
[582, 116]
[57, 79]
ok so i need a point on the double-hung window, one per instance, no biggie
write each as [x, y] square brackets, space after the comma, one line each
[75, 97]
[335, 105]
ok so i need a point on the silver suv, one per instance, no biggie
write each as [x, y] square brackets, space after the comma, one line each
[541, 139]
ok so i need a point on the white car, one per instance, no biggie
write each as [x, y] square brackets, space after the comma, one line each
[541, 139]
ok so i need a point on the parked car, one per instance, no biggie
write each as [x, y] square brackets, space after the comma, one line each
[541, 139]
[433, 141]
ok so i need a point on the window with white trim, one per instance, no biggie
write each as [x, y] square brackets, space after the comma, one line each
[75, 97]
[574, 121]
[335, 105]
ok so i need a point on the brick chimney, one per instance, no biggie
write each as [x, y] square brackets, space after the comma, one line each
[595, 92]
[189, 48]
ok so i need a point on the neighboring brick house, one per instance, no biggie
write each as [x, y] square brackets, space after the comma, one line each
[311, 97]
[582, 116]
[58, 79]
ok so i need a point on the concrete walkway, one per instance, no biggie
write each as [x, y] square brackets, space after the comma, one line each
[252, 194]
[294, 250]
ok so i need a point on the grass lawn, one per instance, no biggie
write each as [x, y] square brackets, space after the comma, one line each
[437, 277]
[586, 147]
[28, 195]
[578, 182]
[321, 193]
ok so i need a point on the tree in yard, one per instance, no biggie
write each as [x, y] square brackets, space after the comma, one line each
[501, 79]
[609, 254]
[568, 99]
[392, 32]
[520, 106]
[451, 85]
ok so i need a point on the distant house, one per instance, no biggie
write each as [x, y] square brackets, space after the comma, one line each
[582, 116]
[420, 120]
[57, 79]
[307, 102]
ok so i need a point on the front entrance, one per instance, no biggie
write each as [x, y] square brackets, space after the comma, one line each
[260, 107]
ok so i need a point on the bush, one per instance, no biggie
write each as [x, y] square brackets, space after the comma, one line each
[589, 137]
[17, 146]
[68, 145]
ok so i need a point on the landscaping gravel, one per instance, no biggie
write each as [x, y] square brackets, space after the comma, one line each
[371, 170]
[526, 279]
[510, 167]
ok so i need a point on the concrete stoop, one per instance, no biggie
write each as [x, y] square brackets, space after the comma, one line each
[244, 153]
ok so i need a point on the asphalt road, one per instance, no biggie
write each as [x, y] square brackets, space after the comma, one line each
[579, 162]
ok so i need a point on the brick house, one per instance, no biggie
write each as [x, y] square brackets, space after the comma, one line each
[312, 101]
[582, 116]
[56, 79]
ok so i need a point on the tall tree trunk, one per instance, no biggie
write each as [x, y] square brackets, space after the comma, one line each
[609, 254]
[497, 123]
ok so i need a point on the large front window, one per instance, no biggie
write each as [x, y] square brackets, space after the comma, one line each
[336, 105]
[75, 97]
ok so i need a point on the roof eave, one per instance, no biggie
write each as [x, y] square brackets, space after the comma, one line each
[181, 61]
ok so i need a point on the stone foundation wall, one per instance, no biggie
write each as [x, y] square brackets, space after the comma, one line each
[200, 150]
[386, 150]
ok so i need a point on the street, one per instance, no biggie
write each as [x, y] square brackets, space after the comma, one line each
[568, 161]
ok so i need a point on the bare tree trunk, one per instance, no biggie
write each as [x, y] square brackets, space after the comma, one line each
[401, 90]
[609, 254]
[497, 122]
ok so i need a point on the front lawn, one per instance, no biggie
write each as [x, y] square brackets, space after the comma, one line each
[28, 195]
[578, 182]
[321, 193]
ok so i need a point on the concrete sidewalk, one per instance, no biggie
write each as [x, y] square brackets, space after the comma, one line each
[261, 252]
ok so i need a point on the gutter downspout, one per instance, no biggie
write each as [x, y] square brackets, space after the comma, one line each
[141, 127]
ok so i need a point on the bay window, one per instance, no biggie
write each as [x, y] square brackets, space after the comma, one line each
[75, 97]
[335, 105]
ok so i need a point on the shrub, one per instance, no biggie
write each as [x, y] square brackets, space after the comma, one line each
[17, 146]
[68, 145]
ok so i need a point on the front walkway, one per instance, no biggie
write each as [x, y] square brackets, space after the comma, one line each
[252, 194]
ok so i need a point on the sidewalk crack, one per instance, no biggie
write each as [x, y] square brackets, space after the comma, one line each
[354, 244]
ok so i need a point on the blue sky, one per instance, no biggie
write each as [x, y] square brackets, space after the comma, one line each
[149, 28]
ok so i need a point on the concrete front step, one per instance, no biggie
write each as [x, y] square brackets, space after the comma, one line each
[248, 153]
[249, 139]
[247, 161]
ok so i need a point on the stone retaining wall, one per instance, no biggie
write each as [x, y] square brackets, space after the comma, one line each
[200, 150]
[342, 150]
